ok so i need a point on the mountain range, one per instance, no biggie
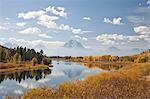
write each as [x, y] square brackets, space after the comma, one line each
[75, 48]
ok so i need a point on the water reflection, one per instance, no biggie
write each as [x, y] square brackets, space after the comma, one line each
[18, 83]
[104, 66]
[23, 75]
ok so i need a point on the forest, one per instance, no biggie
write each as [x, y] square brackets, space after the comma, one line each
[138, 58]
[21, 58]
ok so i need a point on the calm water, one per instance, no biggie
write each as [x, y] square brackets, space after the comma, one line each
[18, 83]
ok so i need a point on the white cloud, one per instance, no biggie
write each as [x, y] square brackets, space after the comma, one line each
[86, 18]
[116, 38]
[60, 11]
[7, 18]
[48, 21]
[86, 32]
[82, 38]
[21, 24]
[142, 30]
[64, 27]
[31, 14]
[3, 28]
[76, 31]
[49, 24]
[47, 18]
[148, 2]
[33, 30]
[44, 36]
[115, 21]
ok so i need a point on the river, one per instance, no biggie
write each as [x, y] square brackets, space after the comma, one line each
[18, 83]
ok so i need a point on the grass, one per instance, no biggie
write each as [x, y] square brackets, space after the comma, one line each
[126, 83]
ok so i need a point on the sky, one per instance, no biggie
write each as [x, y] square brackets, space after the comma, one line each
[97, 24]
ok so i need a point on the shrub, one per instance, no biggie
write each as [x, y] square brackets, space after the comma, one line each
[34, 61]
[46, 61]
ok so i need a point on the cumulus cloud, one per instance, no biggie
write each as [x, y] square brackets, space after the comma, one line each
[31, 14]
[76, 31]
[60, 11]
[35, 31]
[114, 21]
[48, 21]
[47, 18]
[142, 30]
[49, 24]
[43, 19]
[116, 38]
[64, 27]
[86, 18]
[148, 2]
[82, 38]
[21, 24]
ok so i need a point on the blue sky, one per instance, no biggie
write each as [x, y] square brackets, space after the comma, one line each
[95, 23]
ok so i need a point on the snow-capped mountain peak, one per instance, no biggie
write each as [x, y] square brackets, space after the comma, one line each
[73, 44]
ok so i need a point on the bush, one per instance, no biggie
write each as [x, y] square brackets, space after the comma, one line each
[34, 61]
[46, 61]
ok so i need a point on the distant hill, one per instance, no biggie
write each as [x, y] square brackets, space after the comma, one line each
[39, 47]
[136, 50]
[112, 48]
[73, 44]
[10, 45]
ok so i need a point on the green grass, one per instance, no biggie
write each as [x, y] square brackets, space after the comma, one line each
[126, 83]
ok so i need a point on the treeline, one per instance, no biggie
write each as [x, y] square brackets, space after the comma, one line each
[21, 55]
[139, 58]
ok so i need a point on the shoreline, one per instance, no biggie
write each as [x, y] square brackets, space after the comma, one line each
[20, 67]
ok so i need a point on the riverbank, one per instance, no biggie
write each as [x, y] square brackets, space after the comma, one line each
[128, 82]
[11, 67]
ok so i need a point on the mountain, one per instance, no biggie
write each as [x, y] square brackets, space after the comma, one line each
[73, 44]
[136, 50]
[10, 45]
[38, 47]
[112, 48]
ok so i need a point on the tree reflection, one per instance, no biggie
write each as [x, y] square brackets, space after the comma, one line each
[23, 75]
[104, 66]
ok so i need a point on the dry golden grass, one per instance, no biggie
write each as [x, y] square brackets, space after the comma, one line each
[127, 83]
[11, 67]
